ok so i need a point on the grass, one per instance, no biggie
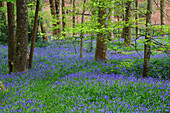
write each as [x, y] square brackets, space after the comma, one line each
[62, 82]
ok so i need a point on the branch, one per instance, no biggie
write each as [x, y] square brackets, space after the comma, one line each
[77, 13]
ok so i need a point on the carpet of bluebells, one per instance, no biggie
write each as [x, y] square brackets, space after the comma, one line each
[62, 82]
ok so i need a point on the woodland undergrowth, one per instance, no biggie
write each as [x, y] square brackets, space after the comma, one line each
[62, 82]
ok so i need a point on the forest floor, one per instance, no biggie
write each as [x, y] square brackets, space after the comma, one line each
[62, 82]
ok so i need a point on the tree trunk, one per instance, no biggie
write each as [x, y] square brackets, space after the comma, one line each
[53, 13]
[63, 17]
[137, 29]
[33, 36]
[147, 45]
[101, 48]
[111, 17]
[21, 44]
[108, 10]
[57, 6]
[42, 23]
[169, 75]
[127, 33]
[93, 13]
[91, 43]
[74, 43]
[11, 36]
[123, 19]
[163, 14]
[81, 34]
[43, 30]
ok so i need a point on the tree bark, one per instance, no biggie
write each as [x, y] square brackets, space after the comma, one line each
[74, 43]
[43, 30]
[33, 36]
[127, 33]
[81, 34]
[123, 19]
[163, 14]
[11, 36]
[137, 29]
[42, 23]
[101, 48]
[111, 17]
[63, 17]
[108, 10]
[53, 13]
[21, 44]
[147, 45]
[93, 13]
[57, 5]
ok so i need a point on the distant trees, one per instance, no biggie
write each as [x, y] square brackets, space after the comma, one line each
[54, 17]
[2, 19]
[21, 37]
[42, 25]
[43, 29]
[99, 13]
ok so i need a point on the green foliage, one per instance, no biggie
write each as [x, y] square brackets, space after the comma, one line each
[3, 26]
[12, 1]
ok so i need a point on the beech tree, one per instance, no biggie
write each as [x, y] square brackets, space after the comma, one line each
[74, 7]
[93, 11]
[21, 37]
[136, 17]
[33, 36]
[53, 13]
[101, 47]
[11, 36]
[43, 29]
[42, 25]
[147, 45]
[127, 28]
[63, 18]
[57, 7]
[81, 34]
[163, 13]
